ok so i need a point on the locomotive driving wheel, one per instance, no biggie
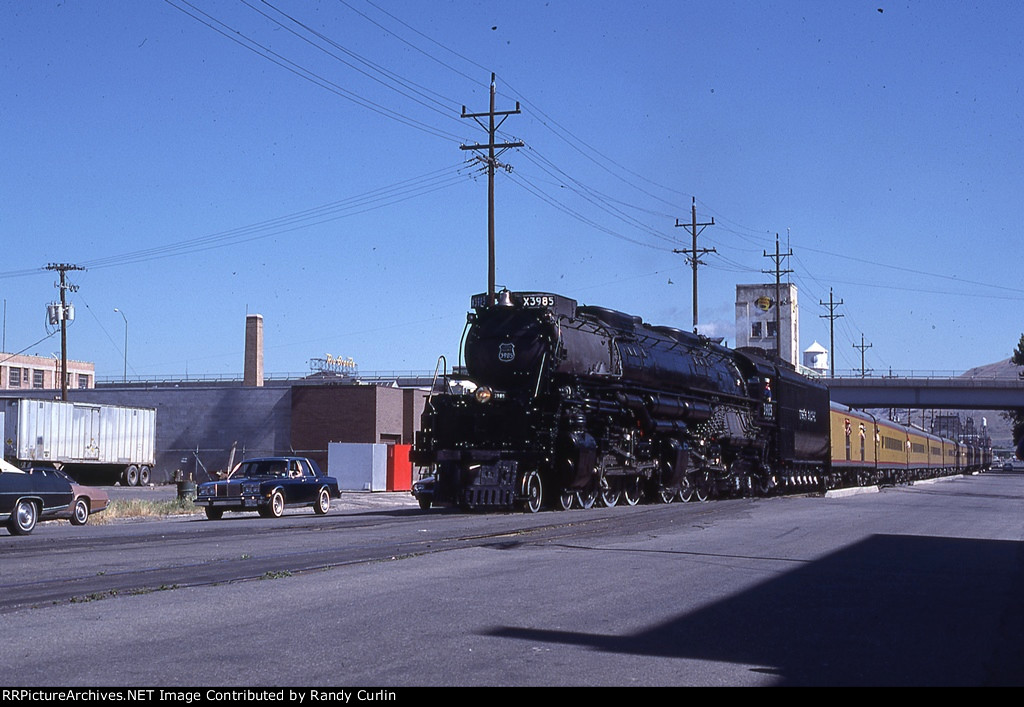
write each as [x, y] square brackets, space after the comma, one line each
[632, 490]
[533, 491]
[587, 497]
[686, 491]
[565, 499]
[702, 486]
[611, 492]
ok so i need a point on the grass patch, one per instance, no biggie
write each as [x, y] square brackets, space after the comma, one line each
[138, 508]
[276, 575]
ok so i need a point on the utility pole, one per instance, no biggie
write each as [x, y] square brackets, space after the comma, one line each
[63, 268]
[863, 347]
[832, 317]
[491, 162]
[779, 272]
[693, 254]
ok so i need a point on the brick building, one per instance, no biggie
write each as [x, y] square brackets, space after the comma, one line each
[20, 372]
[365, 413]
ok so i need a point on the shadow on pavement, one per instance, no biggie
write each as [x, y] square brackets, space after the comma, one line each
[891, 610]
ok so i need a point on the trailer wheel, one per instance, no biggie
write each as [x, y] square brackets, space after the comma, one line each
[80, 514]
[144, 476]
[131, 476]
[23, 518]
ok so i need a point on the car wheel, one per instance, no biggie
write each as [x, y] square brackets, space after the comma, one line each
[323, 502]
[23, 519]
[424, 503]
[276, 507]
[80, 514]
[214, 513]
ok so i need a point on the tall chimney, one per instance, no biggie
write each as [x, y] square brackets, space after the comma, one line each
[253, 375]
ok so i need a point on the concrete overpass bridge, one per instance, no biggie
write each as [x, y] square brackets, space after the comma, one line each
[951, 392]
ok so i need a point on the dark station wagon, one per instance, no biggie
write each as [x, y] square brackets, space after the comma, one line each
[30, 495]
[268, 485]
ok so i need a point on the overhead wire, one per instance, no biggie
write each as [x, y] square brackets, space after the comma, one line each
[36, 343]
[265, 52]
[592, 196]
[381, 197]
[601, 201]
[353, 206]
[752, 236]
[615, 208]
[579, 216]
[423, 96]
[421, 34]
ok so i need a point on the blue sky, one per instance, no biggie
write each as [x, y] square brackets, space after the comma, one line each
[304, 163]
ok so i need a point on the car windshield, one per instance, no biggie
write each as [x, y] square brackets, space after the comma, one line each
[265, 467]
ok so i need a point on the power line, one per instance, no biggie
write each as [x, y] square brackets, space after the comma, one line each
[425, 95]
[255, 47]
[307, 218]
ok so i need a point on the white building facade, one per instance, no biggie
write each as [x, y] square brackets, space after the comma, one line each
[768, 319]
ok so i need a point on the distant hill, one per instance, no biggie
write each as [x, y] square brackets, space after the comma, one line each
[999, 428]
[1001, 369]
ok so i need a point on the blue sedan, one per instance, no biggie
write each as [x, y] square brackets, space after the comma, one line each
[267, 485]
[30, 495]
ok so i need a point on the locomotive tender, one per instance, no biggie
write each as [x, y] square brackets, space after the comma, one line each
[574, 403]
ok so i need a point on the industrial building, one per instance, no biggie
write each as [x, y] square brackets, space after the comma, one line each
[767, 317]
[199, 423]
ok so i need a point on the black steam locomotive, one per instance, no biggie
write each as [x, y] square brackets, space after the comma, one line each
[578, 403]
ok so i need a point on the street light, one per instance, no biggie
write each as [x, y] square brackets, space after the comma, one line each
[125, 376]
[56, 370]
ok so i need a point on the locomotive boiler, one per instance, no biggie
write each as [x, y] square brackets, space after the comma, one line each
[571, 404]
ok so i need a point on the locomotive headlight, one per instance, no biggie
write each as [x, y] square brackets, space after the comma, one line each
[484, 394]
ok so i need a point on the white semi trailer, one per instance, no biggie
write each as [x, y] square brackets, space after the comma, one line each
[88, 440]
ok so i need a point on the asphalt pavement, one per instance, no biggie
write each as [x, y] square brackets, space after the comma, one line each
[350, 500]
[902, 586]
